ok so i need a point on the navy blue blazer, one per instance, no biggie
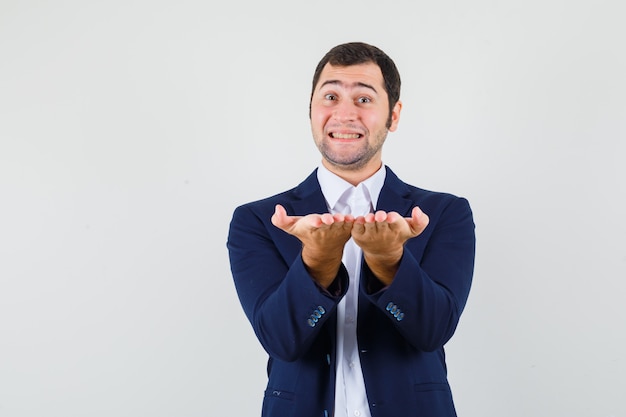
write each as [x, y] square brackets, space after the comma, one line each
[401, 329]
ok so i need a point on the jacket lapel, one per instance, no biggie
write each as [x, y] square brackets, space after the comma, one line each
[305, 199]
[394, 196]
[308, 197]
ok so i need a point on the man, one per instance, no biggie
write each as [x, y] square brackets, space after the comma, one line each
[353, 281]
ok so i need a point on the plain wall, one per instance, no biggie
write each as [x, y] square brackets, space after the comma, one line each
[130, 130]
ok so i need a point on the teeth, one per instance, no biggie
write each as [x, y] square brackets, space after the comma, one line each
[346, 135]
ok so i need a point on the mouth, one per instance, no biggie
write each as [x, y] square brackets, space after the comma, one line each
[345, 136]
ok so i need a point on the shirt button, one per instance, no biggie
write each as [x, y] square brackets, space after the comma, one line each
[351, 364]
[357, 413]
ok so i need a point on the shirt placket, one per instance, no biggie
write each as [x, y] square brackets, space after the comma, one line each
[355, 401]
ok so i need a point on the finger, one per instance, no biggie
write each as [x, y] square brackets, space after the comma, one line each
[359, 220]
[313, 220]
[279, 218]
[418, 221]
[327, 219]
[380, 216]
[344, 220]
[358, 228]
[393, 217]
[372, 227]
[339, 217]
[369, 218]
[418, 216]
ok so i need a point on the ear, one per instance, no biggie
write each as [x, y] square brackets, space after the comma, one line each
[395, 116]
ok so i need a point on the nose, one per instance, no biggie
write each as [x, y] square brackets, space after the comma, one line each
[345, 111]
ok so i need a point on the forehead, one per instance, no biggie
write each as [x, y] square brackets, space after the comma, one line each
[352, 75]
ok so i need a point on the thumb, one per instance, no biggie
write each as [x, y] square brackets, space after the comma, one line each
[280, 218]
[419, 220]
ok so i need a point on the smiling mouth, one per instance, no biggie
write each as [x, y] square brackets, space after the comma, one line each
[345, 135]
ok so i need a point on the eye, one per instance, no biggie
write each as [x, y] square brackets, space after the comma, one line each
[330, 96]
[364, 100]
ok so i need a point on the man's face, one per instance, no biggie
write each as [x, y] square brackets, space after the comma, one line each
[349, 115]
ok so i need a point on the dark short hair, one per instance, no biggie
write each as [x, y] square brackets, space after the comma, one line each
[355, 53]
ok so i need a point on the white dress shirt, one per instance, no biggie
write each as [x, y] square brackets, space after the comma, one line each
[342, 197]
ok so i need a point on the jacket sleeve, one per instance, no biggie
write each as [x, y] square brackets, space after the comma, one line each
[285, 306]
[431, 286]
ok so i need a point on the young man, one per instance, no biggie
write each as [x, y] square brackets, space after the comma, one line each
[353, 281]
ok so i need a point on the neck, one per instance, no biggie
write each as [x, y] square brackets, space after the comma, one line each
[354, 176]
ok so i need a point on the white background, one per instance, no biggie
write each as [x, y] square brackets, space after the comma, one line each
[130, 130]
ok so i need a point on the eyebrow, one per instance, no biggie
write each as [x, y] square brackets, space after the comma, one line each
[356, 84]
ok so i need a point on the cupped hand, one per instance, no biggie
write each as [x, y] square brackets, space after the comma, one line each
[323, 237]
[382, 236]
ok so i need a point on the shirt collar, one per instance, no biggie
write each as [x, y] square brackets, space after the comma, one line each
[334, 187]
